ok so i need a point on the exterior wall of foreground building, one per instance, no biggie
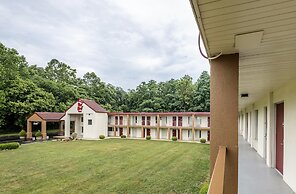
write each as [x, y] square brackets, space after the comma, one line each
[262, 129]
[186, 126]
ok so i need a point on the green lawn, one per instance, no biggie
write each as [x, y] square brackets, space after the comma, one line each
[108, 166]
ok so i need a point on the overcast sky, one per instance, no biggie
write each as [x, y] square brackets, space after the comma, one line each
[124, 42]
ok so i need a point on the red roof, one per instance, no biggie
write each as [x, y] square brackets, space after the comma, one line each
[50, 116]
[161, 113]
[94, 106]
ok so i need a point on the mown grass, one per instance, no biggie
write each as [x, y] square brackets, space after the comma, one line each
[107, 166]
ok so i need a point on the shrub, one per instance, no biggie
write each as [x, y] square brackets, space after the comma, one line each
[202, 140]
[9, 137]
[9, 146]
[174, 138]
[74, 136]
[123, 136]
[52, 133]
[204, 188]
[22, 133]
[148, 137]
[102, 136]
[38, 134]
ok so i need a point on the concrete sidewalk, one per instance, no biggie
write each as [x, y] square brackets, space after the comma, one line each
[254, 177]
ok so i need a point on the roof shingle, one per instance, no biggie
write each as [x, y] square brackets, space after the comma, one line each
[95, 106]
[50, 116]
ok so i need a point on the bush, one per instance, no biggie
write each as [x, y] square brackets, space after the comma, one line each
[38, 134]
[204, 188]
[202, 140]
[148, 137]
[174, 138]
[52, 133]
[102, 136]
[22, 133]
[9, 146]
[74, 136]
[123, 136]
[9, 137]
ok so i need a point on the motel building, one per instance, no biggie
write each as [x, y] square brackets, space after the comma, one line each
[251, 48]
[89, 120]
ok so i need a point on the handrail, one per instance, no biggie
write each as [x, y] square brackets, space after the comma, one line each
[217, 180]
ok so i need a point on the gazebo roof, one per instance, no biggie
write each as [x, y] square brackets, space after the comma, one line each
[50, 116]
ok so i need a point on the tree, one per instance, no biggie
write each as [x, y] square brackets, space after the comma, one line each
[60, 72]
[25, 89]
[201, 100]
[23, 98]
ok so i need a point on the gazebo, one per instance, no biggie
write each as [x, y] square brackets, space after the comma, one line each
[43, 118]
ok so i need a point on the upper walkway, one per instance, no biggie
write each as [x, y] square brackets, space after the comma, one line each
[254, 177]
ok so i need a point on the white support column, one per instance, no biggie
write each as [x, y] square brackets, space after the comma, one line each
[78, 126]
[84, 125]
[270, 155]
[252, 126]
[67, 125]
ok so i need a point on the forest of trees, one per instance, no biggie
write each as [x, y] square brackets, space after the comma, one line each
[26, 88]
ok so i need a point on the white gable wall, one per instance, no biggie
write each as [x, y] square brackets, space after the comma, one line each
[99, 122]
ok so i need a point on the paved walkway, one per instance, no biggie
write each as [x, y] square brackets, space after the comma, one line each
[254, 177]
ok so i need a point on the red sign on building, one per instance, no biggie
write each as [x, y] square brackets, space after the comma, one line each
[79, 106]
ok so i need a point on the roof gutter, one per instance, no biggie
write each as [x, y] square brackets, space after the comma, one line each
[197, 16]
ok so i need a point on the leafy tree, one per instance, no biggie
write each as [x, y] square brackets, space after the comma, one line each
[201, 100]
[25, 89]
[60, 72]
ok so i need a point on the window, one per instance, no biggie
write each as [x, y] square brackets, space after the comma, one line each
[174, 121]
[89, 121]
[256, 125]
[116, 120]
[180, 119]
[136, 119]
[198, 120]
[148, 120]
[199, 134]
[81, 119]
[121, 120]
[166, 120]
[110, 129]
[188, 120]
[156, 120]
[81, 129]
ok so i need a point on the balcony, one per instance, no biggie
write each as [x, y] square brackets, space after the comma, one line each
[253, 174]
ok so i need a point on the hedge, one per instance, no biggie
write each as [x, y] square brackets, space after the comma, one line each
[9, 137]
[9, 146]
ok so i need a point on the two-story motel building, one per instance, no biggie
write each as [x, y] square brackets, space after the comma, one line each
[89, 120]
[187, 126]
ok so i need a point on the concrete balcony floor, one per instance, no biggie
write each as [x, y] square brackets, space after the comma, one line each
[254, 177]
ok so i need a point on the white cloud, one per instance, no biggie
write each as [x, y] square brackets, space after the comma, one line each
[124, 42]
